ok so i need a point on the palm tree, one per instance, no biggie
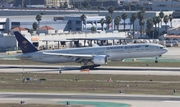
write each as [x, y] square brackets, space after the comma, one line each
[61, 5]
[141, 17]
[143, 10]
[155, 21]
[102, 21]
[83, 19]
[39, 18]
[149, 26]
[170, 18]
[116, 21]
[166, 18]
[111, 10]
[129, 5]
[65, 4]
[161, 14]
[124, 16]
[158, 21]
[35, 26]
[99, 7]
[93, 29]
[132, 19]
[141, 23]
[108, 20]
[86, 4]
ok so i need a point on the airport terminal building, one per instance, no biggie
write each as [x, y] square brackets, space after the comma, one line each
[65, 25]
[67, 20]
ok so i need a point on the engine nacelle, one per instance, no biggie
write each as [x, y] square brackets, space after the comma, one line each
[117, 60]
[100, 59]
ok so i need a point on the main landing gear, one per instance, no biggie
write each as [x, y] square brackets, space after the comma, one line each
[89, 66]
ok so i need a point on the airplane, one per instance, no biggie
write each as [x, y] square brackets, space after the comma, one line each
[97, 55]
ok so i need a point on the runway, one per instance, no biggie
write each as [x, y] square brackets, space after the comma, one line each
[90, 96]
[134, 100]
[100, 70]
[53, 98]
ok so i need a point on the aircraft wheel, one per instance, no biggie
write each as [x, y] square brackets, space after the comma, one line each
[82, 67]
[92, 67]
[156, 61]
[85, 67]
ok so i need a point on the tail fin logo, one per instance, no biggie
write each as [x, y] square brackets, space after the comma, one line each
[24, 45]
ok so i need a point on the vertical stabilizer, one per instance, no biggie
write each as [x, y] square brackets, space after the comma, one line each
[24, 44]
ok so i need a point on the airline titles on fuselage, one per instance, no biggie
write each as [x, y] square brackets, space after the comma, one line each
[124, 47]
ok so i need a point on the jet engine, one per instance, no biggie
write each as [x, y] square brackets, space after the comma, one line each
[100, 59]
[117, 60]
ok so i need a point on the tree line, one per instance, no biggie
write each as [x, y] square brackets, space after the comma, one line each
[150, 31]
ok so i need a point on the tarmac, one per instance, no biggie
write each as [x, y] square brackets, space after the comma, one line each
[93, 99]
[132, 100]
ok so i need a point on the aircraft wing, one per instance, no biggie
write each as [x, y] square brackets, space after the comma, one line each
[83, 56]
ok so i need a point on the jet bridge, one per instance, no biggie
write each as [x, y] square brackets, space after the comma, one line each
[102, 41]
[60, 42]
[84, 42]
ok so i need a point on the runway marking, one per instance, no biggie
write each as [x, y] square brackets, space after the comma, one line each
[171, 101]
[95, 103]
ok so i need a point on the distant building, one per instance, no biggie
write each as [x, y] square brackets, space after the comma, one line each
[5, 25]
[167, 5]
[20, 29]
[72, 22]
[50, 3]
[136, 4]
[23, 3]
[55, 3]
[46, 30]
[75, 23]
[35, 6]
[26, 22]
[105, 3]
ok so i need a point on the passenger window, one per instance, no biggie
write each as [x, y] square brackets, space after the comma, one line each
[146, 45]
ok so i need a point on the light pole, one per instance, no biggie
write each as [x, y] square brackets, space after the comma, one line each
[29, 2]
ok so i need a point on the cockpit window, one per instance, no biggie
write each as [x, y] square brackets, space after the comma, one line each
[161, 47]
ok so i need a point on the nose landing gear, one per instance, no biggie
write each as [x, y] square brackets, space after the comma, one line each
[156, 60]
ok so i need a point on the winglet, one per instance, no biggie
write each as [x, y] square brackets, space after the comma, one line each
[24, 44]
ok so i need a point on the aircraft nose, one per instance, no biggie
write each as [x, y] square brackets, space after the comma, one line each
[165, 50]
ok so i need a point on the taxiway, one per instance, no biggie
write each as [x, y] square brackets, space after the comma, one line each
[134, 100]
[99, 70]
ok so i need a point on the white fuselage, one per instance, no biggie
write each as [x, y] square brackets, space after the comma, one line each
[114, 52]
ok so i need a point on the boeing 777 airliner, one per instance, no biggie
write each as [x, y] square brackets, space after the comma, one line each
[97, 55]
